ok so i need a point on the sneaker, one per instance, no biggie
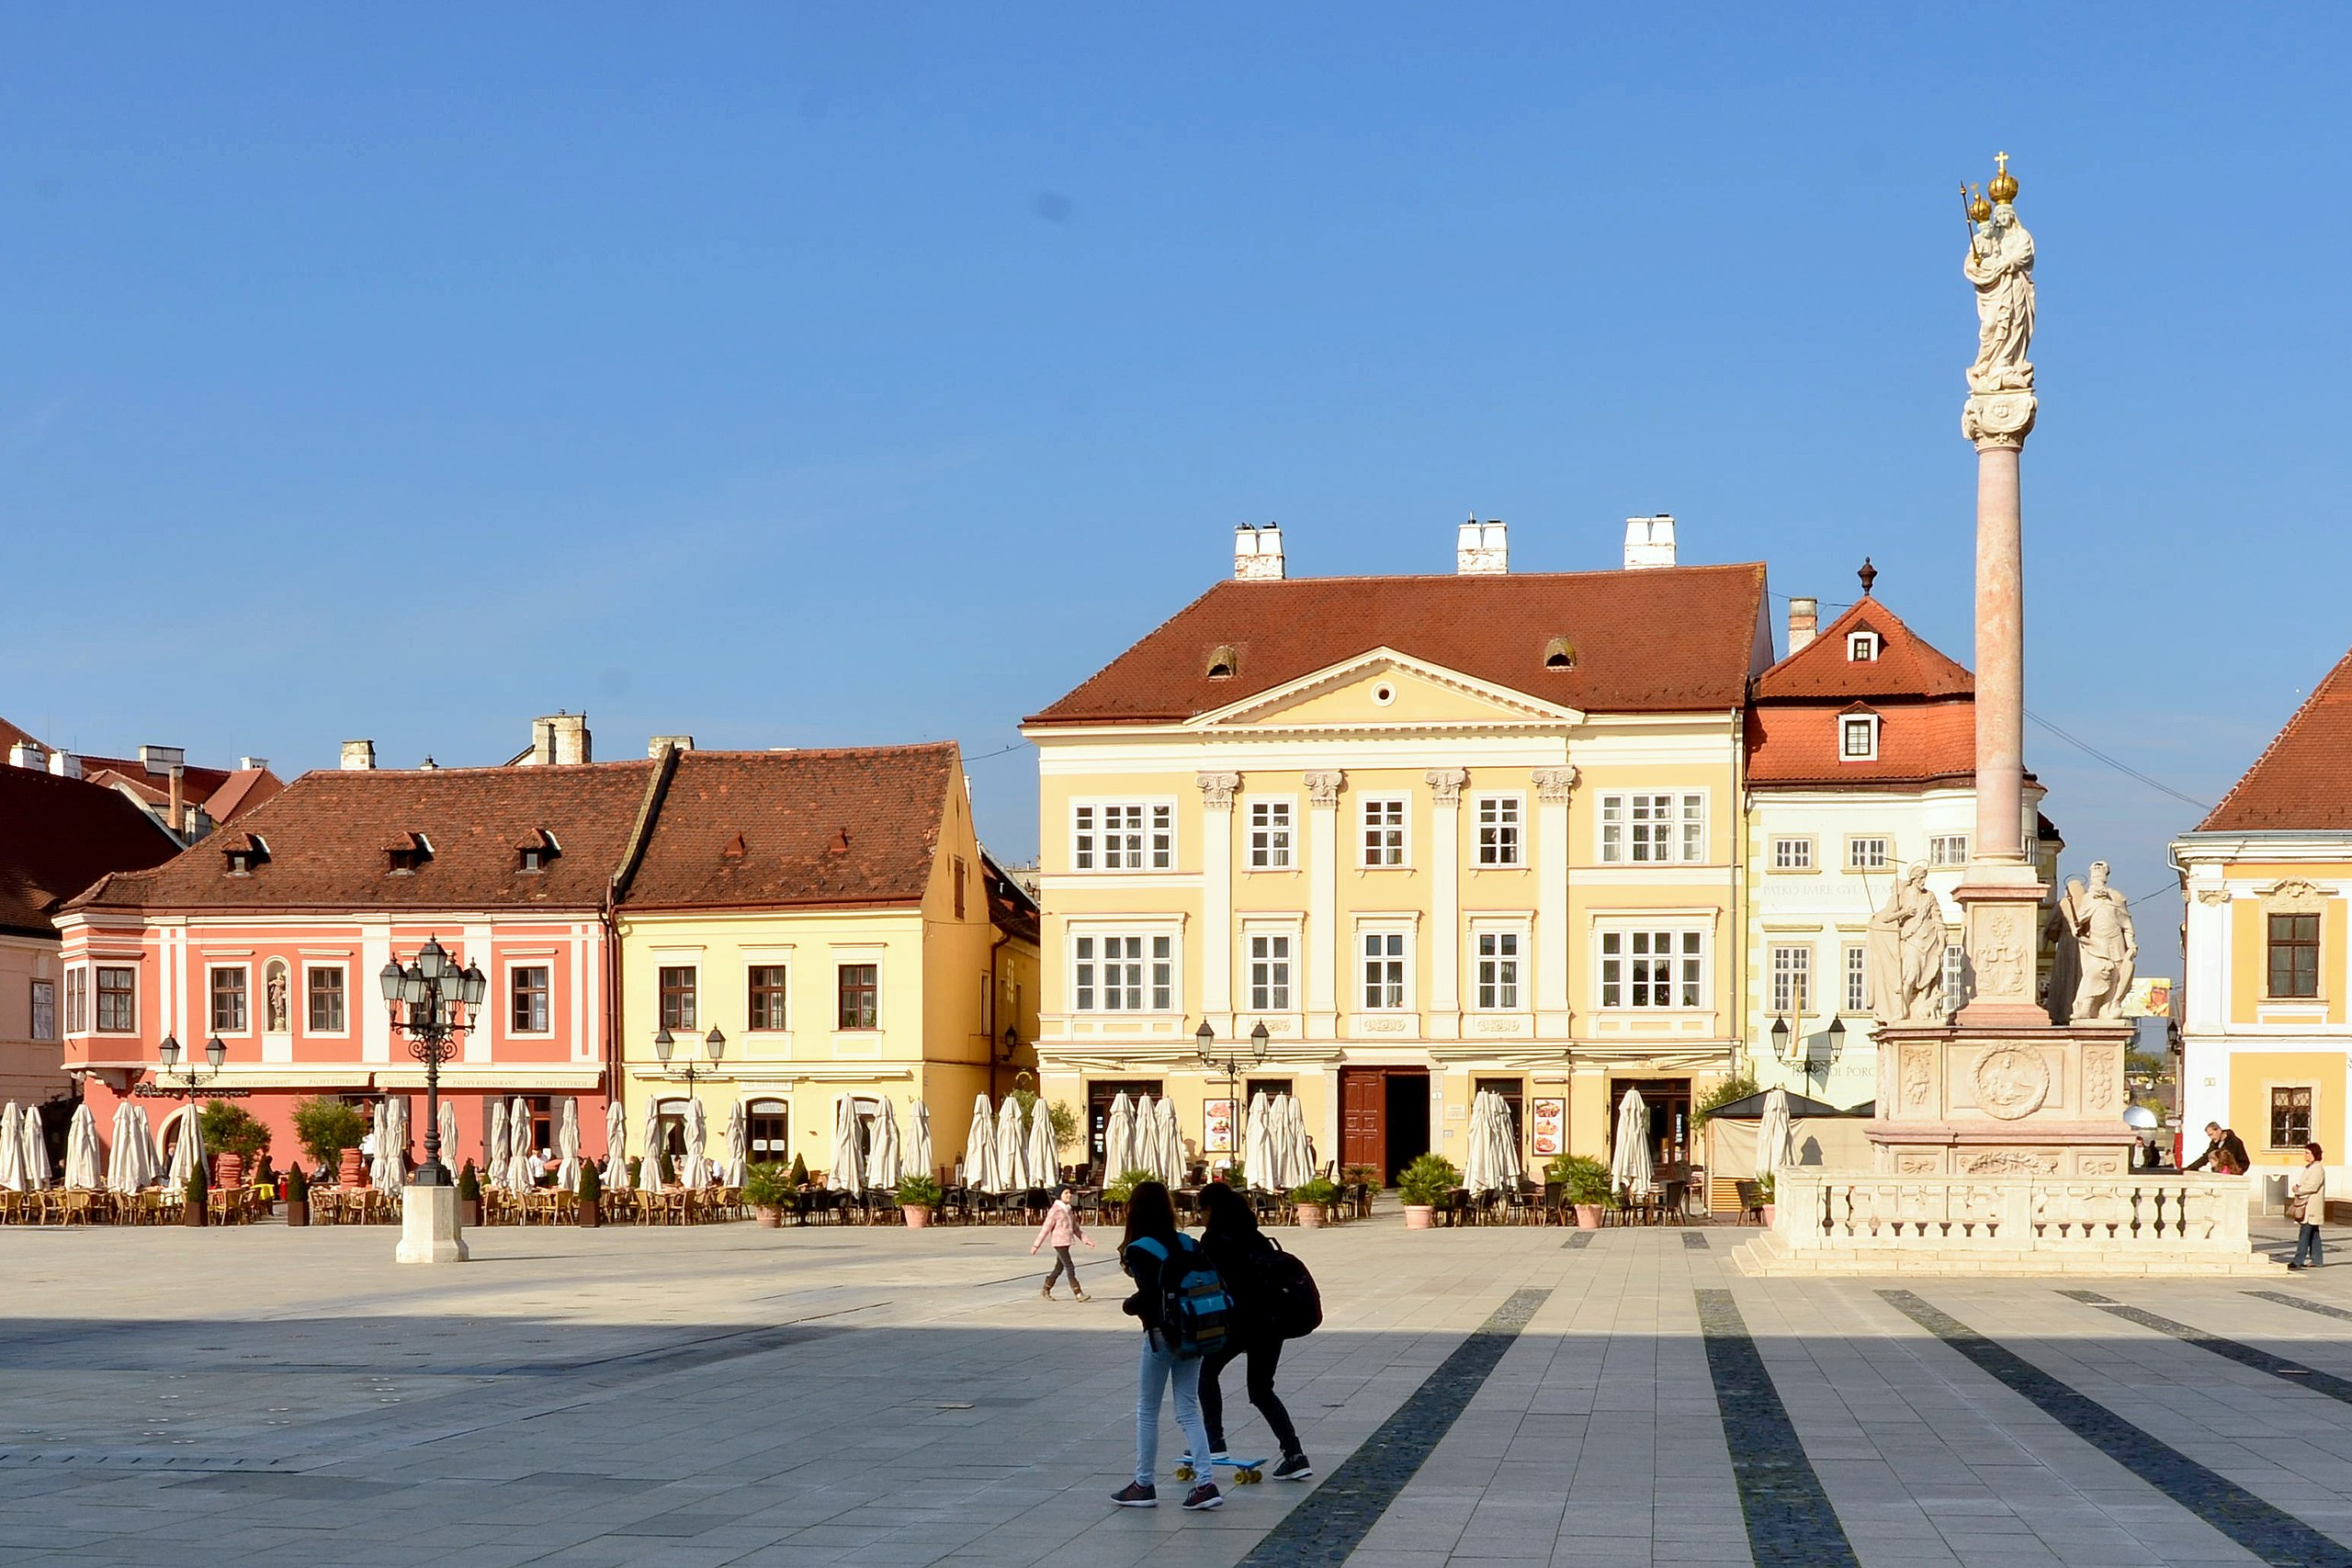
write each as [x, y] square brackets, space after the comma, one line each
[1204, 1496]
[1219, 1454]
[1080, 1296]
[1294, 1467]
[1047, 1293]
[1137, 1495]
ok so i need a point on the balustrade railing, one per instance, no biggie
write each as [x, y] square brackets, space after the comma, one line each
[1817, 1211]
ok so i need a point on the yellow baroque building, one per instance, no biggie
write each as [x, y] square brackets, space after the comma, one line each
[1434, 834]
[808, 926]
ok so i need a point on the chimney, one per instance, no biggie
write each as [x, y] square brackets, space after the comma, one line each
[1482, 549]
[252, 764]
[1258, 553]
[560, 738]
[1805, 620]
[25, 754]
[1649, 541]
[162, 758]
[359, 756]
[683, 742]
[179, 818]
[64, 765]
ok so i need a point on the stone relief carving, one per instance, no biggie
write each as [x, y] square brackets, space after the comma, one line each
[1323, 788]
[1447, 783]
[1553, 783]
[1917, 1078]
[2107, 947]
[2024, 1162]
[1917, 1165]
[2000, 959]
[2215, 896]
[2101, 1081]
[2293, 896]
[1903, 956]
[1217, 790]
[2011, 1081]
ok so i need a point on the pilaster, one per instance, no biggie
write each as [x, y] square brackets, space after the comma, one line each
[1443, 1017]
[1551, 943]
[1322, 1021]
[1216, 896]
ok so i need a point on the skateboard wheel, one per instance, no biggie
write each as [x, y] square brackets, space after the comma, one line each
[1250, 1478]
[1184, 1472]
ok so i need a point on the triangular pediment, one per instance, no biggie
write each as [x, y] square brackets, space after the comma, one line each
[1386, 690]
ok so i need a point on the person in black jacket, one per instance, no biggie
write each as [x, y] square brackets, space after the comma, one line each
[1234, 1242]
[1152, 1217]
[2224, 1151]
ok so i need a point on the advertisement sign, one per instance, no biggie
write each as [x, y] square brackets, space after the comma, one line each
[2150, 997]
[1550, 1126]
[1218, 1120]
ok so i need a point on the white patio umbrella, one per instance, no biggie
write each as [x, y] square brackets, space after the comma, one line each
[882, 1161]
[1510, 1165]
[567, 1147]
[980, 1147]
[392, 1143]
[188, 1154]
[1119, 1138]
[1276, 1154]
[12, 1151]
[738, 1147]
[1297, 1164]
[1044, 1159]
[123, 1155]
[1171, 1146]
[494, 1155]
[84, 1161]
[35, 1150]
[519, 1145]
[151, 1158]
[1478, 1159]
[1253, 1141]
[449, 1160]
[1011, 1154]
[1775, 1138]
[918, 1138]
[848, 1173]
[1630, 1170]
[648, 1163]
[617, 1146]
[696, 1172]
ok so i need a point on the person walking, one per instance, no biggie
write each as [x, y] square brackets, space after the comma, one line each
[1153, 1246]
[1060, 1231]
[1235, 1244]
[2307, 1206]
[2224, 1151]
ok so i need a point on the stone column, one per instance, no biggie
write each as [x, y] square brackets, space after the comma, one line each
[1323, 935]
[1445, 903]
[1217, 897]
[1550, 945]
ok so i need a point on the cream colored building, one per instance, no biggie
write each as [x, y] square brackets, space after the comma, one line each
[1436, 834]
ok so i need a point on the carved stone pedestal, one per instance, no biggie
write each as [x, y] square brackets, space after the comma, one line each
[1967, 1100]
[429, 1231]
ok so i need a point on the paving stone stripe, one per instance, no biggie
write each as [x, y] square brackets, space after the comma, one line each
[1331, 1523]
[1695, 1241]
[2270, 1533]
[2303, 1303]
[2244, 1355]
[1789, 1515]
[1580, 1239]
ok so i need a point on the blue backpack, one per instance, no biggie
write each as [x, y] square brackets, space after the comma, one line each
[1193, 1306]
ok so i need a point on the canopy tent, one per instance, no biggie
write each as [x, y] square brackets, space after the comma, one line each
[1631, 1170]
[1775, 1146]
[1819, 1135]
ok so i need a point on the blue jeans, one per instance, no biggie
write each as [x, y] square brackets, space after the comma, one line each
[1158, 1369]
[2307, 1241]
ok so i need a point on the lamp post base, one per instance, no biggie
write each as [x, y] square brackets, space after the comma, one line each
[429, 1230]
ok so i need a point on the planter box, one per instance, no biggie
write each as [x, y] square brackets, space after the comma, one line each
[298, 1210]
[588, 1213]
[469, 1212]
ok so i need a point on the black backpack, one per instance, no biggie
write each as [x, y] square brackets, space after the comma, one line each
[1284, 1291]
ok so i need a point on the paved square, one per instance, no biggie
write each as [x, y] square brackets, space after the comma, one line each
[724, 1395]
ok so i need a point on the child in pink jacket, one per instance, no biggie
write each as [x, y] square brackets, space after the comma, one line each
[1060, 1231]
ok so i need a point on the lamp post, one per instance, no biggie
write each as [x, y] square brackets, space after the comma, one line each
[665, 1042]
[432, 1002]
[1229, 1064]
[186, 1082]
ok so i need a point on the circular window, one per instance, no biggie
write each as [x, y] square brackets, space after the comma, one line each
[1383, 694]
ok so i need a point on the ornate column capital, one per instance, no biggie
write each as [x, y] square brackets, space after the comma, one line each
[1553, 783]
[1998, 420]
[1217, 790]
[1323, 786]
[1448, 783]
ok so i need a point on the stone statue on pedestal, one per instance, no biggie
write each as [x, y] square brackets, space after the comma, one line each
[2109, 949]
[2000, 263]
[2066, 951]
[1903, 958]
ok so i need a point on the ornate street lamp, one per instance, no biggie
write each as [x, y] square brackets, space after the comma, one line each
[665, 1042]
[1229, 1064]
[432, 1002]
[186, 1082]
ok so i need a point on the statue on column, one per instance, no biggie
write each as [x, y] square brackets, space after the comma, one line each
[1903, 956]
[2109, 946]
[2000, 263]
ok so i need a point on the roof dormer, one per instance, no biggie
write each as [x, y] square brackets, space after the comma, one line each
[1862, 646]
[534, 850]
[240, 852]
[1858, 731]
[405, 853]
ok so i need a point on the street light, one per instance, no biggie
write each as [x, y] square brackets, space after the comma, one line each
[432, 1002]
[188, 1082]
[665, 1043]
[1229, 1064]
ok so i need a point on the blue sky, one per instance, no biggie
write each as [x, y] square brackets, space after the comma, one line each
[852, 374]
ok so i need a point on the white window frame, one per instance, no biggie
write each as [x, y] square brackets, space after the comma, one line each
[1146, 828]
[1388, 934]
[342, 967]
[1501, 981]
[1848, 724]
[1853, 971]
[210, 1017]
[1955, 975]
[1261, 998]
[1792, 851]
[1942, 848]
[1402, 827]
[1689, 978]
[1157, 994]
[33, 1029]
[1854, 842]
[670, 961]
[1790, 979]
[1501, 821]
[1862, 647]
[506, 1009]
[1274, 846]
[98, 994]
[791, 983]
[78, 992]
[1635, 824]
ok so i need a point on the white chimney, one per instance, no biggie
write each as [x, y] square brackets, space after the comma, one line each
[359, 756]
[1804, 621]
[683, 742]
[1482, 549]
[162, 758]
[560, 738]
[65, 764]
[1258, 553]
[1649, 541]
[252, 764]
[25, 754]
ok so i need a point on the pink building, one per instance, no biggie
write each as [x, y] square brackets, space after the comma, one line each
[269, 935]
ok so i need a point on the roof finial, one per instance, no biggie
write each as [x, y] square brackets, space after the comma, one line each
[1868, 574]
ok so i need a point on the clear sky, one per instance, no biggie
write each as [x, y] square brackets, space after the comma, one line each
[796, 376]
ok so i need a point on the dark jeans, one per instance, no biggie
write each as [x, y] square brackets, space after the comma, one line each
[2306, 1241]
[1062, 1265]
[1265, 1354]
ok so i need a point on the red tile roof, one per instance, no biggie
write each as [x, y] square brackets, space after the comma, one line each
[326, 834]
[10, 734]
[746, 829]
[246, 788]
[1925, 702]
[1664, 639]
[2303, 781]
[1907, 664]
[62, 835]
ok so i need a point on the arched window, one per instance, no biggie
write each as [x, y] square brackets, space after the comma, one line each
[1559, 654]
[1225, 662]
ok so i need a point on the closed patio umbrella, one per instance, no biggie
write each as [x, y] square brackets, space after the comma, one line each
[882, 1161]
[519, 1146]
[697, 1167]
[918, 1138]
[12, 1151]
[1011, 1154]
[1118, 1139]
[147, 1160]
[1630, 1169]
[495, 1157]
[648, 1162]
[1775, 1138]
[188, 1154]
[738, 1147]
[1478, 1159]
[1301, 1167]
[1253, 1141]
[392, 1143]
[83, 1161]
[35, 1156]
[122, 1154]
[1171, 1146]
[980, 1147]
[567, 1147]
[617, 1148]
[1044, 1158]
[848, 1173]
[449, 1137]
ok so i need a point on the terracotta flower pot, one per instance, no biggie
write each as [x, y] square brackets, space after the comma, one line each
[298, 1210]
[1588, 1216]
[1769, 1210]
[1418, 1216]
[1310, 1217]
[770, 1219]
[351, 1170]
[918, 1215]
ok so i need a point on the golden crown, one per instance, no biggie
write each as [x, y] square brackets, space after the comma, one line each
[1979, 210]
[2004, 183]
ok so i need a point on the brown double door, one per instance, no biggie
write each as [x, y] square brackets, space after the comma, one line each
[1383, 1118]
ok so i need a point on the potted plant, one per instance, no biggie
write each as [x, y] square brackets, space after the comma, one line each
[917, 1197]
[799, 1173]
[768, 1188]
[1234, 1177]
[329, 1131]
[238, 1142]
[664, 1175]
[1122, 1187]
[192, 1208]
[1423, 1185]
[1584, 1184]
[468, 1196]
[1764, 1185]
[1365, 1179]
[298, 1197]
[1314, 1199]
[589, 1210]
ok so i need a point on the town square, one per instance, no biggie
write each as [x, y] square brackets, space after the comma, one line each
[794, 825]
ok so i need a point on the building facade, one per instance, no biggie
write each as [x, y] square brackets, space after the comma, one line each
[1434, 834]
[2265, 1034]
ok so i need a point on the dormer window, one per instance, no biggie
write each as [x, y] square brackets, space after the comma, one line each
[1862, 647]
[1225, 662]
[534, 850]
[406, 852]
[242, 852]
[1559, 654]
[1858, 737]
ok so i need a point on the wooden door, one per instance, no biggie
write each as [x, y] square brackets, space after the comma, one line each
[1364, 1109]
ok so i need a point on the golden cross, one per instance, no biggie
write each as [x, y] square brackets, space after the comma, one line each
[2001, 163]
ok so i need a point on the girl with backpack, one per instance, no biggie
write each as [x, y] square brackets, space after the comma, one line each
[1238, 1247]
[1158, 1256]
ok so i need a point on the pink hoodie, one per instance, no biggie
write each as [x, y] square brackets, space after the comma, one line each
[1061, 1228]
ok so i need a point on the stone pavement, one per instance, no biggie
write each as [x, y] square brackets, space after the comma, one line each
[725, 1395]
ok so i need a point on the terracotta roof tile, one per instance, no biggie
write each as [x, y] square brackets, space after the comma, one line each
[2303, 781]
[1664, 639]
[246, 788]
[1919, 744]
[61, 836]
[1907, 664]
[755, 829]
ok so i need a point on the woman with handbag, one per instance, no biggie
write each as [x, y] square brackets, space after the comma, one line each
[2307, 1206]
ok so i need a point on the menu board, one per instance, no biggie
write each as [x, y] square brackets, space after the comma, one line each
[1551, 1127]
[1218, 1120]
